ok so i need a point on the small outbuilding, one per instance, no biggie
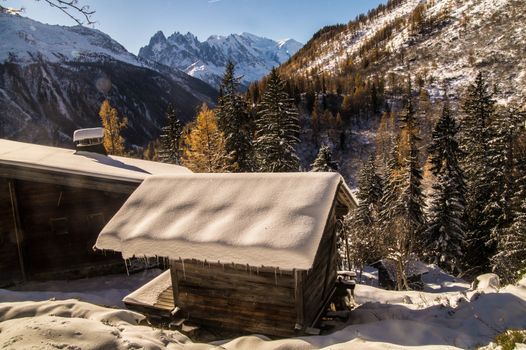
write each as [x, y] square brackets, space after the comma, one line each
[55, 201]
[249, 252]
[387, 273]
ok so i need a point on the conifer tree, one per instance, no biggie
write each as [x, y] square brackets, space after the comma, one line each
[402, 216]
[324, 162]
[234, 122]
[361, 225]
[277, 129]
[170, 137]
[510, 261]
[113, 126]
[479, 109]
[412, 190]
[204, 150]
[316, 120]
[445, 232]
[507, 182]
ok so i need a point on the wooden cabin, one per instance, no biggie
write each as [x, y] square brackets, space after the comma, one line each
[53, 204]
[256, 253]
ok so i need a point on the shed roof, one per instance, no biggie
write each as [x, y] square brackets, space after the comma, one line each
[81, 163]
[259, 219]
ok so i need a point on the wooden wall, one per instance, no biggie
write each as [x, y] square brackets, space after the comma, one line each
[267, 301]
[58, 228]
[235, 297]
[10, 270]
[319, 281]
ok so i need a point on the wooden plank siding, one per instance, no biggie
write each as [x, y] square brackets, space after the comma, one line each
[10, 269]
[260, 300]
[236, 297]
[59, 225]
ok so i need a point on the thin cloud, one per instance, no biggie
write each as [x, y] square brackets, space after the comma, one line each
[213, 1]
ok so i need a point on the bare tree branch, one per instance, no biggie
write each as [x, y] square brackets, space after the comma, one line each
[69, 7]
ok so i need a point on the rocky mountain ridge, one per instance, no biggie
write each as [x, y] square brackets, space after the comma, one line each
[254, 56]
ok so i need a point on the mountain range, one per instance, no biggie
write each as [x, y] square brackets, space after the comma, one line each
[54, 78]
[254, 56]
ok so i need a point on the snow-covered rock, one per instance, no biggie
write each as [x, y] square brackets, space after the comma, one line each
[487, 281]
[254, 56]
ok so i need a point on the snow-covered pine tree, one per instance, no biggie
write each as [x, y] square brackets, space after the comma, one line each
[170, 137]
[277, 129]
[510, 261]
[506, 203]
[411, 194]
[504, 129]
[324, 161]
[402, 216]
[479, 109]
[361, 225]
[234, 122]
[445, 232]
[392, 223]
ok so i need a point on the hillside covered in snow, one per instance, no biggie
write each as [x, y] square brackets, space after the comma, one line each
[254, 56]
[441, 41]
[53, 80]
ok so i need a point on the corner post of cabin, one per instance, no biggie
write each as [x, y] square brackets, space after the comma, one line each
[175, 282]
[298, 299]
[17, 225]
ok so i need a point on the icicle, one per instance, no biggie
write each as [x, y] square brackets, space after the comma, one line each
[126, 264]
[276, 277]
[184, 271]
[257, 270]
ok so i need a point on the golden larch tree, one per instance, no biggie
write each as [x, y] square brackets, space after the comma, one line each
[204, 146]
[113, 140]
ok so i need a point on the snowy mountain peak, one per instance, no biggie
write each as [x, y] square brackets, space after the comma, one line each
[254, 56]
[28, 39]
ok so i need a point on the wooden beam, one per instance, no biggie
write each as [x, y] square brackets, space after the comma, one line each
[298, 298]
[67, 179]
[175, 283]
[18, 227]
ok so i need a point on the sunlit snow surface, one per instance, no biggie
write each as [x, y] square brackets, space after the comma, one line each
[56, 43]
[464, 318]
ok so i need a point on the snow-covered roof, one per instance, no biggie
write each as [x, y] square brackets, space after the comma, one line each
[90, 133]
[259, 219]
[413, 267]
[81, 163]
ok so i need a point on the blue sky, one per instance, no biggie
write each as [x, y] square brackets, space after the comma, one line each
[133, 22]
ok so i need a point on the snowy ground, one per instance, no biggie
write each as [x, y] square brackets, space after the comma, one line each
[449, 314]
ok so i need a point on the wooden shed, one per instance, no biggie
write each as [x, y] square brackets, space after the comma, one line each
[249, 252]
[53, 204]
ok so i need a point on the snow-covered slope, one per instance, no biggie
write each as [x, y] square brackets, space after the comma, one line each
[53, 80]
[464, 319]
[29, 39]
[458, 38]
[254, 56]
